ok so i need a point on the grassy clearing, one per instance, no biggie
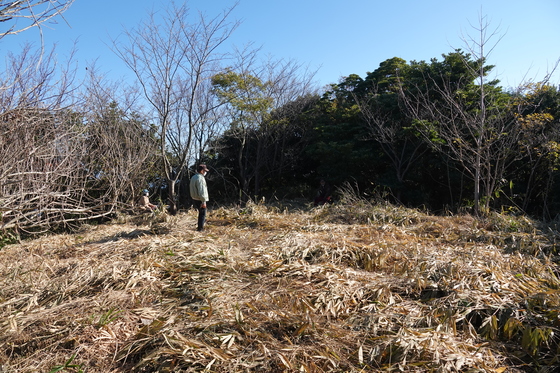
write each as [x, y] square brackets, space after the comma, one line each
[353, 287]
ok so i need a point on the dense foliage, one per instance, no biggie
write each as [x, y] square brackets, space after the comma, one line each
[438, 134]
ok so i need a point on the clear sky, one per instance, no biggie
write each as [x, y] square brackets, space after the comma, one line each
[336, 37]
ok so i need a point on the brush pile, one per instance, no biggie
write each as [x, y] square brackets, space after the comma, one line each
[342, 288]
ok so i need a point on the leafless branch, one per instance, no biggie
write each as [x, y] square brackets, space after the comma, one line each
[20, 15]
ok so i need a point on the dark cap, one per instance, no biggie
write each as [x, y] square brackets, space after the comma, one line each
[202, 167]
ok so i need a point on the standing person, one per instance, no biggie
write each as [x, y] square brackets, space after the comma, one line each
[199, 193]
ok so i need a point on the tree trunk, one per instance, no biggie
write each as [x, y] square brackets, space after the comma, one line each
[172, 197]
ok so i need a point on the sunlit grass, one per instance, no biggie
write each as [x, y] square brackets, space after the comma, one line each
[351, 287]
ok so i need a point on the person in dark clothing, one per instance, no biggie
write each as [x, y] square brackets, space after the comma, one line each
[324, 194]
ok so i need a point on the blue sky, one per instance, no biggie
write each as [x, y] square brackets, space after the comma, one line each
[336, 37]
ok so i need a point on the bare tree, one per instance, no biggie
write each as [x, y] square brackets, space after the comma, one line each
[381, 108]
[20, 15]
[473, 123]
[122, 147]
[27, 83]
[63, 162]
[253, 91]
[291, 87]
[173, 61]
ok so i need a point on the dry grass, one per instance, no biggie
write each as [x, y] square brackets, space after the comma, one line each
[338, 289]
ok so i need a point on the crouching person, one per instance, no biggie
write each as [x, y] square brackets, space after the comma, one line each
[144, 202]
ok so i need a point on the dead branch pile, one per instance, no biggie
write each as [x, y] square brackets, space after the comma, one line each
[58, 171]
[270, 291]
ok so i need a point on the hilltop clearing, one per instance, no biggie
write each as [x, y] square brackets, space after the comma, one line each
[334, 289]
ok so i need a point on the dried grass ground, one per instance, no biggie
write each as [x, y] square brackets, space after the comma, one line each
[338, 289]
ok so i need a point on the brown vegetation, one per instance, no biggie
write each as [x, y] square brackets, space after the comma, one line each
[344, 288]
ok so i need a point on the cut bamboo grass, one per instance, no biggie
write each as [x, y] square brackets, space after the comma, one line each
[266, 289]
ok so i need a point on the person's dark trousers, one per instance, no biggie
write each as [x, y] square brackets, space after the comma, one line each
[201, 215]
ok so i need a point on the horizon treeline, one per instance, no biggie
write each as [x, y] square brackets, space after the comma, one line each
[436, 134]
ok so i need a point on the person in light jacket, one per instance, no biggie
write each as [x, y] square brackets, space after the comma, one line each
[199, 193]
